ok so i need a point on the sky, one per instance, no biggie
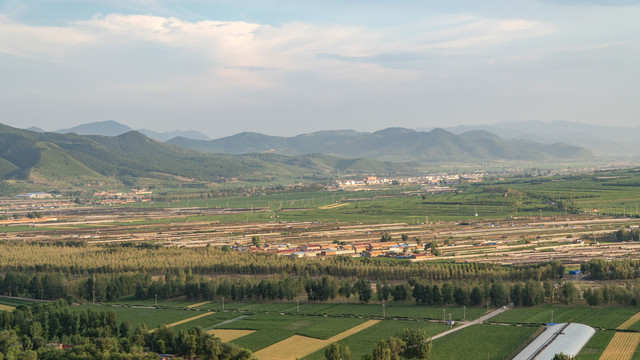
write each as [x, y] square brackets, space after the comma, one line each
[296, 66]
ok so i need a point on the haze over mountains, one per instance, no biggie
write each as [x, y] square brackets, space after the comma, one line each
[601, 140]
[114, 128]
[392, 144]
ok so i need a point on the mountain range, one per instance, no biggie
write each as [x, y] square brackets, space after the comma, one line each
[393, 144]
[53, 159]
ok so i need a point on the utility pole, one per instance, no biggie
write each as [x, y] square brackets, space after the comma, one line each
[155, 300]
[464, 313]
[298, 305]
[384, 313]
[223, 303]
[444, 316]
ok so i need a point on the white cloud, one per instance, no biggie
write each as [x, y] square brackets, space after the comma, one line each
[293, 46]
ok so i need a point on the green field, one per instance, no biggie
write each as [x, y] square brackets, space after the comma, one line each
[481, 342]
[332, 309]
[145, 316]
[365, 341]
[274, 327]
[15, 302]
[604, 317]
[596, 345]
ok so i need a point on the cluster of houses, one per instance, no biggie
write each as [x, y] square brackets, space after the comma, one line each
[359, 249]
[429, 180]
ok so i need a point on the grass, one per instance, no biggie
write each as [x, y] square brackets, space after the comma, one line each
[363, 342]
[605, 317]
[481, 342]
[272, 328]
[596, 345]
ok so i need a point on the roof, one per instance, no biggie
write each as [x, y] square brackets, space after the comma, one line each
[566, 338]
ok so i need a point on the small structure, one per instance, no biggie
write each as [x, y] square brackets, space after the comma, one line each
[566, 338]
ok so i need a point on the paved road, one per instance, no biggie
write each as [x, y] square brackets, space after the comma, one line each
[479, 320]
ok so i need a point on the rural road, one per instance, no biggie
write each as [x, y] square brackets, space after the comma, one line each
[479, 320]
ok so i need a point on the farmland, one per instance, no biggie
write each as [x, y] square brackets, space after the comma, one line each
[279, 271]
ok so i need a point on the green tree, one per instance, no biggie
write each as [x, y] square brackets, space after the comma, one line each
[337, 352]
[255, 240]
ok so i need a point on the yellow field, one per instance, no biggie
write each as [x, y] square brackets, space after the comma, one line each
[189, 319]
[332, 206]
[198, 304]
[621, 347]
[6, 308]
[227, 335]
[298, 346]
[632, 320]
[353, 330]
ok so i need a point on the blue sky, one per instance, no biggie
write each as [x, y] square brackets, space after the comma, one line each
[290, 67]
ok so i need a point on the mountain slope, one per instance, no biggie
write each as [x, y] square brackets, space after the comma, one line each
[392, 144]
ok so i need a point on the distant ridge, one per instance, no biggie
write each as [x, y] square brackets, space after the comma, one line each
[392, 144]
[616, 141]
[114, 128]
[104, 128]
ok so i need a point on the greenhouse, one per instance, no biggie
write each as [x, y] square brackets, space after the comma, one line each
[566, 338]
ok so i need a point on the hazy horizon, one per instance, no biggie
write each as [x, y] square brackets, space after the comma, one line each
[290, 67]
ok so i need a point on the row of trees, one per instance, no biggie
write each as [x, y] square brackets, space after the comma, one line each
[137, 258]
[25, 333]
[326, 288]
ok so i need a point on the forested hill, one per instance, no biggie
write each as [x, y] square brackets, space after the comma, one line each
[70, 159]
[393, 144]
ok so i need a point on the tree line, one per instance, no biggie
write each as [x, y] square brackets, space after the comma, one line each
[25, 333]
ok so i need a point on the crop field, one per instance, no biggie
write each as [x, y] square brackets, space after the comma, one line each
[622, 346]
[605, 317]
[207, 322]
[630, 322]
[457, 313]
[273, 328]
[228, 335]
[363, 342]
[596, 345]
[481, 342]
[6, 307]
[150, 317]
[15, 302]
